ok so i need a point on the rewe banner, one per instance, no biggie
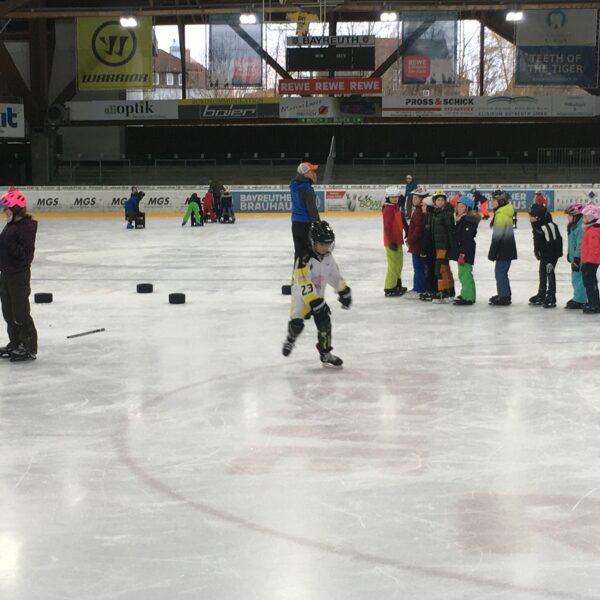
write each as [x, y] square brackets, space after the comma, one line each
[344, 86]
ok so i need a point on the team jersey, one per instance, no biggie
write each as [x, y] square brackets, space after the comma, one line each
[311, 276]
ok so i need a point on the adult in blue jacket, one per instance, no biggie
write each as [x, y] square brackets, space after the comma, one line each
[304, 207]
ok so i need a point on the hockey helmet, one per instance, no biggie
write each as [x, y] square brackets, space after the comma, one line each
[591, 212]
[467, 201]
[537, 210]
[574, 209]
[439, 194]
[13, 199]
[500, 196]
[420, 190]
[393, 190]
[321, 232]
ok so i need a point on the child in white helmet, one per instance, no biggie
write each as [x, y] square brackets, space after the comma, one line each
[393, 239]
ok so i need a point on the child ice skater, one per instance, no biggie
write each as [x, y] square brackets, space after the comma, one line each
[590, 257]
[467, 219]
[414, 241]
[575, 234]
[194, 210]
[443, 235]
[393, 239]
[312, 273]
[17, 247]
[503, 249]
[547, 247]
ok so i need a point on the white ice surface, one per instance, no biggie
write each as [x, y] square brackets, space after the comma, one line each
[179, 455]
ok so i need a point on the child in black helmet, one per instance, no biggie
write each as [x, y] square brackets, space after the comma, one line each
[312, 273]
[547, 247]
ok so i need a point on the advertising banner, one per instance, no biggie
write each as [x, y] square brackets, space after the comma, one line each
[557, 47]
[331, 40]
[122, 110]
[344, 86]
[111, 57]
[226, 109]
[12, 121]
[490, 106]
[431, 57]
[233, 59]
[276, 199]
[298, 108]
[302, 20]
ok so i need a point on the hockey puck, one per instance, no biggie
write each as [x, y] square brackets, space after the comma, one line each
[145, 288]
[42, 298]
[286, 290]
[176, 298]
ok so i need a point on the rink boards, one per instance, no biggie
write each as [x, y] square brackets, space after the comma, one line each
[276, 199]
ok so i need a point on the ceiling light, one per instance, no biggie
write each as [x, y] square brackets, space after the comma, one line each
[248, 19]
[514, 15]
[128, 22]
[388, 16]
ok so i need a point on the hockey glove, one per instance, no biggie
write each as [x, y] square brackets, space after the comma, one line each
[576, 265]
[393, 247]
[461, 259]
[345, 298]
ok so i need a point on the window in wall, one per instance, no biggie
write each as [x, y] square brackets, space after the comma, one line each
[180, 80]
[156, 78]
[169, 78]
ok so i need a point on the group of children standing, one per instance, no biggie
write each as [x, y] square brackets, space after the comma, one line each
[438, 232]
[212, 208]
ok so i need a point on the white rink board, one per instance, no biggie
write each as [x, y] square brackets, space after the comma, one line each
[338, 198]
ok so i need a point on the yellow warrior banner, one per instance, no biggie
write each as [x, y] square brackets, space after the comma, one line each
[112, 57]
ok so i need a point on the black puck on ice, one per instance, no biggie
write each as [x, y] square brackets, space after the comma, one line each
[286, 290]
[176, 298]
[145, 288]
[42, 298]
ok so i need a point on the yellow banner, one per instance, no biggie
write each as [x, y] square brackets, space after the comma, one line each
[302, 20]
[112, 57]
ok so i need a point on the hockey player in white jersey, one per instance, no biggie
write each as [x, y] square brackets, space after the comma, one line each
[312, 273]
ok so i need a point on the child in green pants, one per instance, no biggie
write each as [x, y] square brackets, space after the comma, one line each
[467, 219]
[194, 208]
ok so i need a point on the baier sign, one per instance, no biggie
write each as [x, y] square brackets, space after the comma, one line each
[343, 86]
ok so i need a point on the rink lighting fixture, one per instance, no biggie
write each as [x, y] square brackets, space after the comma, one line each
[388, 16]
[514, 15]
[128, 22]
[248, 19]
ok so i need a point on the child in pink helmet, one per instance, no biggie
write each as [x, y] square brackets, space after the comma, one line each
[17, 246]
[590, 257]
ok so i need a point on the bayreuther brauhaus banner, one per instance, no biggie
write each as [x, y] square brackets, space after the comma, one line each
[112, 57]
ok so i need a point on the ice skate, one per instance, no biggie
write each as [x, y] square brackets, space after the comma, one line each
[7, 350]
[20, 354]
[572, 305]
[328, 359]
[442, 298]
[550, 301]
[427, 296]
[500, 301]
[412, 295]
[460, 301]
[537, 300]
[588, 309]
[287, 348]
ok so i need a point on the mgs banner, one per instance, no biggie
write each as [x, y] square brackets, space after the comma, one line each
[234, 59]
[111, 57]
[557, 47]
[431, 57]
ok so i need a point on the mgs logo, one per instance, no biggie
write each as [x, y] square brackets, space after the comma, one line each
[113, 45]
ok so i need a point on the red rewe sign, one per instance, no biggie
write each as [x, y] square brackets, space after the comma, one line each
[343, 86]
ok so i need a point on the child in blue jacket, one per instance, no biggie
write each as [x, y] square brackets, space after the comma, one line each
[575, 233]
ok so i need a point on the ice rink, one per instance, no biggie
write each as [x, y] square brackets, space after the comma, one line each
[179, 455]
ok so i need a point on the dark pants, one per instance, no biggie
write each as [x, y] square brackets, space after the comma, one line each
[430, 276]
[301, 236]
[547, 277]
[419, 273]
[590, 282]
[502, 281]
[14, 295]
[217, 205]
